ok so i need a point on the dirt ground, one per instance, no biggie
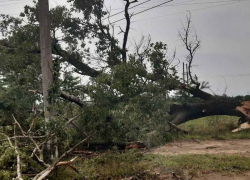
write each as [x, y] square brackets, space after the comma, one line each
[239, 147]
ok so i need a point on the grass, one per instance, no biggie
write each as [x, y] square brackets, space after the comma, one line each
[214, 127]
[201, 163]
[132, 164]
[110, 165]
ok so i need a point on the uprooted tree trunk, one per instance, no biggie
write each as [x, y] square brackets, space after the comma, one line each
[209, 105]
[218, 105]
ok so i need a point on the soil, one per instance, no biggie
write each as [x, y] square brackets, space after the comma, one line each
[237, 146]
[227, 147]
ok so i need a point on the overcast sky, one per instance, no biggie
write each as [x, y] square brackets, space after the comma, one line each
[222, 25]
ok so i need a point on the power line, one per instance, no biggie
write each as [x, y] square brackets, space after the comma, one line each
[202, 3]
[144, 10]
[148, 3]
[189, 10]
[226, 75]
[14, 3]
[128, 8]
[206, 3]
[10, 0]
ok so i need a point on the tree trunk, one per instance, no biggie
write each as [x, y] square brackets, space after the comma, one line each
[46, 63]
[46, 56]
[216, 106]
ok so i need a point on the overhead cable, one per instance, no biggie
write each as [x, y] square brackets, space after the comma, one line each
[144, 10]
[189, 10]
[128, 8]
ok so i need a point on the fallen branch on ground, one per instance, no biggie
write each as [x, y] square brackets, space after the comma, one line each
[57, 163]
[177, 128]
[19, 173]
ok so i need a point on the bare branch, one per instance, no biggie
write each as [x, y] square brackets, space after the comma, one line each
[72, 98]
[72, 119]
[19, 173]
[191, 45]
[48, 170]
[8, 138]
[125, 38]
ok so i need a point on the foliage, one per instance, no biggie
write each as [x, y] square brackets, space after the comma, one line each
[133, 164]
[8, 163]
[121, 101]
[135, 96]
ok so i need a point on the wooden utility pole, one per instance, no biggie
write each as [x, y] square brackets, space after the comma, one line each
[46, 56]
[46, 62]
[183, 72]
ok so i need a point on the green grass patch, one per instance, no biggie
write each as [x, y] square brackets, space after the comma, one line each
[214, 127]
[110, 165]
[196, 164]
[116, 165]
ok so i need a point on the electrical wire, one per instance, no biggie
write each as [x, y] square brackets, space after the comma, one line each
[154, 2]
[14, 3]
[226, 75]
[144, 10]
[128, 8]
[206, 3]
[156, 17]
[199, 3]
[10, 0]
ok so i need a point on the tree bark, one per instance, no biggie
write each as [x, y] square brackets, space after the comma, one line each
[216, 106]
[47, 64]
[46, 56]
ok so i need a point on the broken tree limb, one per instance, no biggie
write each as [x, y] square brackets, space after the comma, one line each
[72, 119]
[8, 138]
[72, 98]
[217, 106]
[196, 92]
[19, 173]
[243, 126]
[65, 96]
[177, 128]
[245, 109]
[52, 167]
[21, 137]
[31, 139]
[68, 163]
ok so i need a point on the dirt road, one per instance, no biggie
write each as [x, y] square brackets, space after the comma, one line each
[238, 146]
[230, 147]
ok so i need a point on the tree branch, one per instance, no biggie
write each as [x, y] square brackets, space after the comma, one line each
[48, 170]
[72, 98]
[125, 38]
[191, 46]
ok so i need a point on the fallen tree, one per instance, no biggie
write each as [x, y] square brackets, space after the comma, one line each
[216, 106]
[209, 104]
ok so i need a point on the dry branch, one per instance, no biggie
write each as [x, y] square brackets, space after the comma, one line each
[245, 109]
[52, 167]
[19, 173]
[72, 98]
[177, 128]
[30, 137]
[72, 119]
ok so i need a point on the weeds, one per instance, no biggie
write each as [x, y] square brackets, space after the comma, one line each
[214, 127]
[197, 164]
[132, 164]
[110, 165]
